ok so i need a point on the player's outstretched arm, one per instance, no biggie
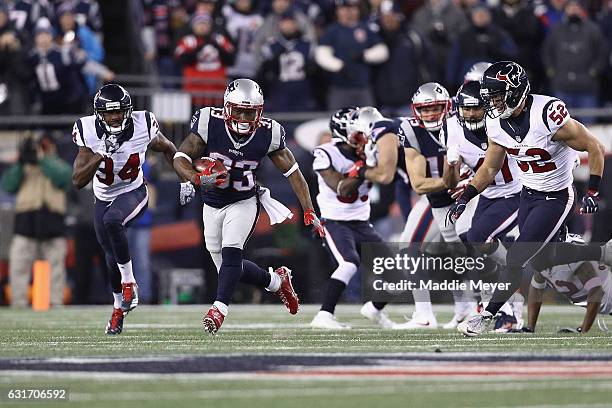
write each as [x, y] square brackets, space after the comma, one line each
[578, 137]
[416, 165]
[161, 144]
[384, 172]
[284, 161]
[192, 148]
[85, 166]
[586, 274]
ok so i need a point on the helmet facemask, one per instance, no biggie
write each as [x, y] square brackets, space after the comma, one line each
[116, 124]
[471, 116]
[242, 119]
[431, 115]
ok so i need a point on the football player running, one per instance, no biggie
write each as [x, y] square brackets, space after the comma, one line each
[586, 284]
[345, 208]
[497, 209]
[240, 137]
[538, 132]
[112, 146]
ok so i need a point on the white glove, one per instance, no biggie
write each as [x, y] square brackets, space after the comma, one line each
[452, 155]
[371, 154]
[187, 192]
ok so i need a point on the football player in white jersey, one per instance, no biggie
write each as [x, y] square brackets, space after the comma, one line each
[497, 209]
[586, 283]
[112, 147]
[240, 137]
[538, 133]
[345, 208]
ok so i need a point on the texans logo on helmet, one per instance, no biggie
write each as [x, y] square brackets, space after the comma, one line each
[510, 74]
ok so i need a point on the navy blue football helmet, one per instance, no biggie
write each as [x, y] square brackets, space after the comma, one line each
[468, 96]
[504, 86]
[338, 122]
[113, 97]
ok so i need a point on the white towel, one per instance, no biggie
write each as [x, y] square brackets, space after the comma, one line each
[277, 212]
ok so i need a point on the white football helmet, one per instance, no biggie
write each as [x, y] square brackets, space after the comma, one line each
[476, 71]
[243, 106]
[428, 95]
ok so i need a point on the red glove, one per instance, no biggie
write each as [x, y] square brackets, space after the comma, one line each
[210, 173]
[358, 170]
[310, 218]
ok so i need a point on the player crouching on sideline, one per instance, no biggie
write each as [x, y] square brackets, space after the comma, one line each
[239, 137]
[112, 147]
[584, 283]
[345, 208]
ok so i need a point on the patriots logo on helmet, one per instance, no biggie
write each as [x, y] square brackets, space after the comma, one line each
[510, 74]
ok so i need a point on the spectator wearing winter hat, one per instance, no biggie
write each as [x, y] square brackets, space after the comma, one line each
[205, 55]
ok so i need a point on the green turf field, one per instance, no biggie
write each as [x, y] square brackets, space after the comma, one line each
[259, 333]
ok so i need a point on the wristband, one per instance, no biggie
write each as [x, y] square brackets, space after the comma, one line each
[594, 181]
[183, 155]
[469, 193]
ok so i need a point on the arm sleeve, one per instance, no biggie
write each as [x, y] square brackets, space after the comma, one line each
[11, 180]
[152, 125]
[555, 115]
[77, 134]
[199, 123]
[57, 170]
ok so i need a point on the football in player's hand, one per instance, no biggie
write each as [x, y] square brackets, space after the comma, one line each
[208, 165]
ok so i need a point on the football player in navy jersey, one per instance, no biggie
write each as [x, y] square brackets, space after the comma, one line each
[538, 132]
[240, 137]
[112, 147]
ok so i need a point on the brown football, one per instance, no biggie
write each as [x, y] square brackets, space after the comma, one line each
[205, 162]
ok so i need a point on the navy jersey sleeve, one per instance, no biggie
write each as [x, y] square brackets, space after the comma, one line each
[328, 37]
[383, 127]
[199, 123]
[407, 136]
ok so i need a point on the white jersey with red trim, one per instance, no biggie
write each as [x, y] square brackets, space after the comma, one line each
[546, 165]
[472, 147]
[356, 207]
[563, 279]
[120, 172]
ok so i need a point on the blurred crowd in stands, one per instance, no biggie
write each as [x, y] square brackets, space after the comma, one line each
[308, 54]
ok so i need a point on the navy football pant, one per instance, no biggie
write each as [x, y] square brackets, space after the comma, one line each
[110, 222]
[541, 218]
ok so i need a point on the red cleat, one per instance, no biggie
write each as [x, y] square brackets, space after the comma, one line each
[286, 292]
[129, 296]
[115, 324]
[213, 320]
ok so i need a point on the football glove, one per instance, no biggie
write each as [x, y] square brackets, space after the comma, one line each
[310, 218]
[452, 155]
[358, 170]
[455, 210]
[590, 202]
[208, 176]
[464, 180]
[371, 154]
[187, 192]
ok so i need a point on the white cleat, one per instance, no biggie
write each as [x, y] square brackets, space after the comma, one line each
[607, 253]
[417, 322]
[326, 320]
[370, 312]
[476, 325]
[454, 322]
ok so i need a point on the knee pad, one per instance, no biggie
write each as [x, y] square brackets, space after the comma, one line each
[231, 257]
[344, 272]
